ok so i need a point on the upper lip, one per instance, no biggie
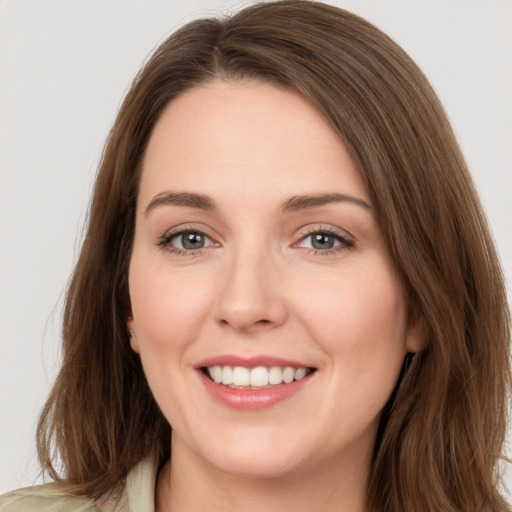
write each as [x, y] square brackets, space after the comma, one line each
[250, 362]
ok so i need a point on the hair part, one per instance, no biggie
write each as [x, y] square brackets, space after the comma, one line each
[442, 434]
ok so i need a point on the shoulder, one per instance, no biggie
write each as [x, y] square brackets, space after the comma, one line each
[44, 498]
[135, 495]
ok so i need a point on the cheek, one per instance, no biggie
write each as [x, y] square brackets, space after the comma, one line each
[168, 306]
[363, 305]
[358, 318]
[168, 310]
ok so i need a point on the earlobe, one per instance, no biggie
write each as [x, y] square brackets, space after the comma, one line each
[130, 325]
[415, 337]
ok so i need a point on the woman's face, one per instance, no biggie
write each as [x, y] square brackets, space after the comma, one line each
[257, 258]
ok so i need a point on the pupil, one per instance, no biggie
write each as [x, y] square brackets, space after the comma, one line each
[322, 241]
[193, 241]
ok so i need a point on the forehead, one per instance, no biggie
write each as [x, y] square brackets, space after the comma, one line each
[249, 135]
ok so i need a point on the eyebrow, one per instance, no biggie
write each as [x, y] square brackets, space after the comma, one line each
[188, 199]
[293, 204]
[305, 202]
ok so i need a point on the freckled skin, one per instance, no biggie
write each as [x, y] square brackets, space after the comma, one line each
[258, 287]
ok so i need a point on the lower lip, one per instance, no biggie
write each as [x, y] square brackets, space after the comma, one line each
[252, 399]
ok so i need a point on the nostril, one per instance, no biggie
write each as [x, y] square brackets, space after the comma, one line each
[246, 325]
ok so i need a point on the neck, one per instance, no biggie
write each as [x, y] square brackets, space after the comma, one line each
[196, 485]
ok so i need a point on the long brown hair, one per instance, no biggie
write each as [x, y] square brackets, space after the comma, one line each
[442, 434]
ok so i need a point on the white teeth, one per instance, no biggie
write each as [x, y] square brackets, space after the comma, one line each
[217, 374]
[275, 375]
[288, 374]
[241, 376]
[300, 373]
[258, 377]
[227, 375]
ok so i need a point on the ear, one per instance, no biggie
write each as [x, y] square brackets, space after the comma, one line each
[130, 326]
[415, 336]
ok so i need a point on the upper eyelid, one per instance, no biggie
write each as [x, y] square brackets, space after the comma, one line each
[188, 228]
[343, 240]
[165, 242]
[300, 233]
[167, 239]
[304, 231]
[322, 228]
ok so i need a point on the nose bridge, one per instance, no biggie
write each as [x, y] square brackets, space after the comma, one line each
[250, 297]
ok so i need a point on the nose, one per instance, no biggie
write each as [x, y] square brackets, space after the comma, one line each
[251, 297]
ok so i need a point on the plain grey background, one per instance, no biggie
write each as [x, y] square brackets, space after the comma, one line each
[64, 68]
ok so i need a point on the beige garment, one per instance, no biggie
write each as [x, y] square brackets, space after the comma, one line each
[138, 495]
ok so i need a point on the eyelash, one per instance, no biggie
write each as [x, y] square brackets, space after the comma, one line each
[166, 240]
[345, 243]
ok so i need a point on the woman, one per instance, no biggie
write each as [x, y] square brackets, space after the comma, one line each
[286, 262]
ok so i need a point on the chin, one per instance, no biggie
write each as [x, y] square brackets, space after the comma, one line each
[257, 459]
[260, 466]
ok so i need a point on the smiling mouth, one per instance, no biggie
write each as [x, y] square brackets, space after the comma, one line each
[260, 377]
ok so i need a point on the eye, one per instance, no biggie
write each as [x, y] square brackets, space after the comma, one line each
[321, 241]
[186, 241]
[324, 241]
[190, 240]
